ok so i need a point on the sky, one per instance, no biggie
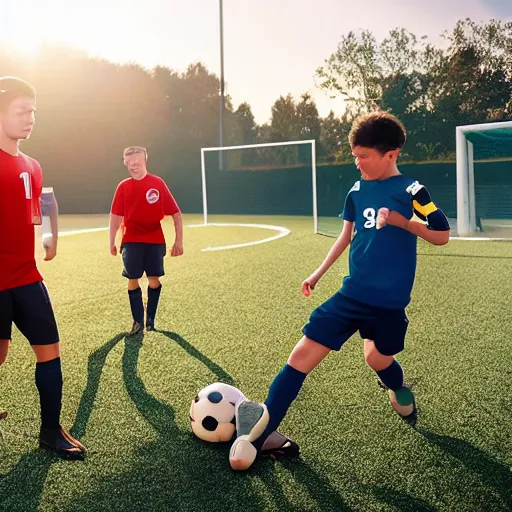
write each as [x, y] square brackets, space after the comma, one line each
[271, 47]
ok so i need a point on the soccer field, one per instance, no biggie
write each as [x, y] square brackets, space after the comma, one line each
[234, 316]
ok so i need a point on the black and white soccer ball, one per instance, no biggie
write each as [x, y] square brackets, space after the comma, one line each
[212, 413]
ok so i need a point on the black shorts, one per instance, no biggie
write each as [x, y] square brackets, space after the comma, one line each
[30, 309]
[338, 318]
[139, 258]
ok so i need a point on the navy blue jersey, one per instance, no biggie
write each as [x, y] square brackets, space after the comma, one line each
[382, 263]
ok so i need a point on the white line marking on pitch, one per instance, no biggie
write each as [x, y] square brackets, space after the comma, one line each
[80, 231]
[281, 232]
[479, 239]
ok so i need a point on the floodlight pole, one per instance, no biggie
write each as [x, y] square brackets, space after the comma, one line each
[221, 112]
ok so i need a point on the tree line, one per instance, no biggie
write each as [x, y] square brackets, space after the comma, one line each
[90, 109]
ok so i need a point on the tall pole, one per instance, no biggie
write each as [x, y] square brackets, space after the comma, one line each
[221, 112]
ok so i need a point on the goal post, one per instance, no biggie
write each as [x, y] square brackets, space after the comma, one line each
[470, 138]
[204, 176]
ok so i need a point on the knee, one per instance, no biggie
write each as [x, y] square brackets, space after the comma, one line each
[133, 284]
[46, 353]
[4, 350]
[374, 359]
[154, 282]
[307, 354]
[299, 356]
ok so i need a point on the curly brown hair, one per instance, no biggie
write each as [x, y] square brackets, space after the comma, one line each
[378, 130]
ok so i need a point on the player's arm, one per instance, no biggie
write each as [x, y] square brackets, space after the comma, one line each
[437, 229]
[337, 249]
[114, 225]
[177, 249]
[171, 209]
[342, 242]
[116, 218]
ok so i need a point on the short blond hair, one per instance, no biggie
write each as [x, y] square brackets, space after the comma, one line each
[134, 150]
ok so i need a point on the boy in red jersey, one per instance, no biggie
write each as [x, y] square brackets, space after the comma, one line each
[140, 203]
[24, 298]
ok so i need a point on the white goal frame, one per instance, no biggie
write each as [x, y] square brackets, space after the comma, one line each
[466, 207]
[250, 146]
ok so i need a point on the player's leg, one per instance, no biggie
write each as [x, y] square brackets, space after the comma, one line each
[329, 326]
[4, 349]
[154, 268]
[255, 422]
[33, 315]
[133, 261]
[6, 309]
[385, 338]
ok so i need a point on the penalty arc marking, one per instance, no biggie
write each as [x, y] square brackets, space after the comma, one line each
[281, 232]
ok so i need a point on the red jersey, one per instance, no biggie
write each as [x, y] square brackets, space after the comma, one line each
[143, 204]
[21, 184]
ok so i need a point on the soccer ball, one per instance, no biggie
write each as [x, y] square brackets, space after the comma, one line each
[212, 413]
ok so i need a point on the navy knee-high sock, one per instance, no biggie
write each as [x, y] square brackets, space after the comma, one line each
[136, 305]
[393, 376]
[282, 392]
[49, 385]
[153, 298]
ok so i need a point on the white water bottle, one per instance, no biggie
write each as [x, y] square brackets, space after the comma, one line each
[46, 208]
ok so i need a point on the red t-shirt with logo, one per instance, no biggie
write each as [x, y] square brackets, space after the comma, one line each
[143, 204]
[21, 184]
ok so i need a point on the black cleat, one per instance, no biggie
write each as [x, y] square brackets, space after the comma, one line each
[136, 328]
[277, 445]
[59, 441]
[150, 324]
[412, 417]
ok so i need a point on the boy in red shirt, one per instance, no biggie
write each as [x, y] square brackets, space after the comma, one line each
[140, 203]
[24, 298]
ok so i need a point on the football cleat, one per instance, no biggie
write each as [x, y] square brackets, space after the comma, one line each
[62, 443]
[150, 324]
[277, 444]
[136, 328]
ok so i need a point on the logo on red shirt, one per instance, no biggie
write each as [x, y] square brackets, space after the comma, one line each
[152, 195]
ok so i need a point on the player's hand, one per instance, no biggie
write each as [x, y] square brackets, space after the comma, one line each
[392, 218]
[308, 285]
[177, 249]
[113, 250]
[382, 217]
[50, 251]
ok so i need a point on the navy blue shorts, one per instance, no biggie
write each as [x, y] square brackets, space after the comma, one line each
[30, 309]
[139, 258]
[338, 318]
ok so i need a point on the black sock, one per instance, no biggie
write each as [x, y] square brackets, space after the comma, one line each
[49, 385]
[393, 376]
[282, 392]
[153, 298]
[136, 305]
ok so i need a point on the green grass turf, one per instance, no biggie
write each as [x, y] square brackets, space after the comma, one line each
[235, 316]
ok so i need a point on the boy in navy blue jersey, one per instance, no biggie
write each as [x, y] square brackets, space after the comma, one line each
[379, 227]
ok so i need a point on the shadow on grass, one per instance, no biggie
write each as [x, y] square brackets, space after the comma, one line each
[175, 470]
[495, 475]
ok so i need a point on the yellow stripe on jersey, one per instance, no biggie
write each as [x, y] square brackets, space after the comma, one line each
[425, 210]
